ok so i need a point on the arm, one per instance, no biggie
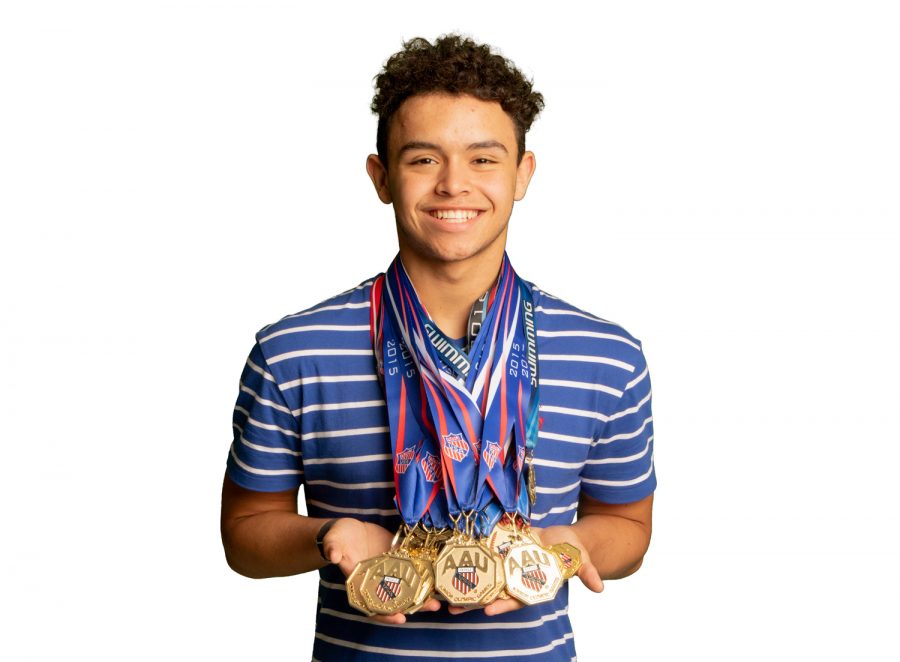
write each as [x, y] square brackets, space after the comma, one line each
[612, 539]
[615, 536]
[264, 536]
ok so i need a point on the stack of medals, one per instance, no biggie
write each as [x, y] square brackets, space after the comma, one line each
[533, 572]
[465, 498]
[399, 581]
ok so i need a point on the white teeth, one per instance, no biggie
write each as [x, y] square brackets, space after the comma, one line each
[458, 215]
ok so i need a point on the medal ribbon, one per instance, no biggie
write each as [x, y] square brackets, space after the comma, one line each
[471, 431]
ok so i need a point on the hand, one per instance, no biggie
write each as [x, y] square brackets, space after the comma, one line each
[350, 541]
[550, 536]
[498, 606]
[587, 573]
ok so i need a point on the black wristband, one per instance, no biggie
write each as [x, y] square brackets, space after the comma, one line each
[320, 537]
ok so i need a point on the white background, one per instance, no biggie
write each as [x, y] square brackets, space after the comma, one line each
[721, 178]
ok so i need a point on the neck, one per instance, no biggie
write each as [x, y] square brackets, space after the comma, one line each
[448, 290]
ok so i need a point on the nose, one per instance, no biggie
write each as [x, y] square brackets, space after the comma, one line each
[453, 180]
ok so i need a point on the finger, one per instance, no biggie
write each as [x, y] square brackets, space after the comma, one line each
[502, 606]
[391, 619]
[333, 554]
[433, 604]
[456, 611]
[347, 566]
[590, 577]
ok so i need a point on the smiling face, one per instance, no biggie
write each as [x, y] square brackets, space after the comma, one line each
[452, 177]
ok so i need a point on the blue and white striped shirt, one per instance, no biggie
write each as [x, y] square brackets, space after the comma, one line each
[311, 412]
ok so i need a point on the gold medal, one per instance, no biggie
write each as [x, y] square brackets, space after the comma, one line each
[354, 586]
[505, 535]
[533, 573]
[426, 589]
[531, 483]
[467, 573]
[423, 550]
[569, 558]
[391, 583]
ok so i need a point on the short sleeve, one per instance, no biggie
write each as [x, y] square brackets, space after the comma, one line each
[619, 468]
[265, 455]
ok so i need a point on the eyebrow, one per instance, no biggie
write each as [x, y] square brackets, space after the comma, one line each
[489, 144]
[420, 144]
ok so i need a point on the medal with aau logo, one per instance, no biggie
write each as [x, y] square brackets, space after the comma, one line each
[426, 588]
[569, 558]
[467, 573]
[533, 574]
[354, 586]
[391, 583]
[505, 535]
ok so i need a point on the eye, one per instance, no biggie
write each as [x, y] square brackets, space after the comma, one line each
[484, 161]
[425, 160]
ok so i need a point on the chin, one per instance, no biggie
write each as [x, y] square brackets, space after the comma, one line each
[459, 253]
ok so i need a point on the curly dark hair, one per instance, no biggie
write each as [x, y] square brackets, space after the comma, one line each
[457, 65]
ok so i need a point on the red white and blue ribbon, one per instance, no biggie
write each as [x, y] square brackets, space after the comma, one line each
[461, 421]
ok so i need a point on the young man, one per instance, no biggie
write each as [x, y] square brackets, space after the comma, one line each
[341, 399]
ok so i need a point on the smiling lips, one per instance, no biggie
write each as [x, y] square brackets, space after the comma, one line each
[455, 215]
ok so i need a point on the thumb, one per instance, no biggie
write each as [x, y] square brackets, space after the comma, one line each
[590, 577]
[334, 555]
[333, 552]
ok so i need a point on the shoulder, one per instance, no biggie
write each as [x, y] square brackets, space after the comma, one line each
[341, 321]
[348, 306]
[565, 331]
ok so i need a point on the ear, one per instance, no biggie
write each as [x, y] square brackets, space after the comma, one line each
[524, 171]
[378, 175]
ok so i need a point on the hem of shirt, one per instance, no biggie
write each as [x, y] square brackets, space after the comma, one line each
[248, 481]
[620, 495]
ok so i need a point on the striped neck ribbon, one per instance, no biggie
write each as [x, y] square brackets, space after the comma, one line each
[462, 420]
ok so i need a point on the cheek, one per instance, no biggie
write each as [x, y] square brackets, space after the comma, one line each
[501, 191]
[409, 192]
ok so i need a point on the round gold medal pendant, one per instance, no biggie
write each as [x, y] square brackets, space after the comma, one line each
[533, 573]
[391, 583]
[467, 573]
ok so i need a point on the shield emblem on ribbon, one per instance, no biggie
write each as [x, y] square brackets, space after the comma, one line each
[403, 460]
[491, 453]
[455, 447]
[431, 467]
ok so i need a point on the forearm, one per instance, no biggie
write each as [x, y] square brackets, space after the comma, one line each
[272, 544]
[616, 545]
[264, 536]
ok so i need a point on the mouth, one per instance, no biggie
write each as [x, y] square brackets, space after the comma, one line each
[454, 215]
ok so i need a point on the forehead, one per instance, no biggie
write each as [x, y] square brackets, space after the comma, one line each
[450, 120]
